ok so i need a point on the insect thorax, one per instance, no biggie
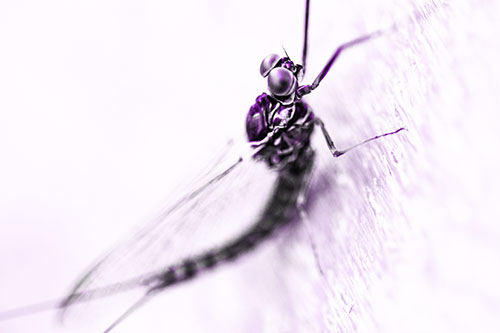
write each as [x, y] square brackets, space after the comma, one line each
[290, 127]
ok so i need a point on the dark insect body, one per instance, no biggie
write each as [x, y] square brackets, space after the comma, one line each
[280, 210]
[279, 127]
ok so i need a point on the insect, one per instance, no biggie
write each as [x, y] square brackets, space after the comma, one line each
[279, 127]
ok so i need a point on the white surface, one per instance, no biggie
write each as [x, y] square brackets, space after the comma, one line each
[104, 107]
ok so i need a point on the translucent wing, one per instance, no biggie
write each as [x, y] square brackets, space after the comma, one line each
[216, 209]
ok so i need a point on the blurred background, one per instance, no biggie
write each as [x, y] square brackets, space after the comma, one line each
[106, 107]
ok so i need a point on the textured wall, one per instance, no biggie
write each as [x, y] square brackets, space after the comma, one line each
[412, 243]
[101, 114]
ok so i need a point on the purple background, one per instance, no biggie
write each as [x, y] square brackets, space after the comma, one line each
[105, 107]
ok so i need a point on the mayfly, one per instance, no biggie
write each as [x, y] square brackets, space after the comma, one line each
[279, 126]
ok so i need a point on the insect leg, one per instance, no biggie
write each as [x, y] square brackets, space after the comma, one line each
[306, 89]
[335, 152]
[301, 207]
[306, 33]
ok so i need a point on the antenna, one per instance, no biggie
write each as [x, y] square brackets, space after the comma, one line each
[285, 51]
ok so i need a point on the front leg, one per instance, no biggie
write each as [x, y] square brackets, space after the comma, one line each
[307, 89]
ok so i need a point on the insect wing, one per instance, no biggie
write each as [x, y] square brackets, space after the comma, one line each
[220, 206]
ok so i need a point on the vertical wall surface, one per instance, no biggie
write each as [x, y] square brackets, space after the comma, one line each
[103, 107]
[412, 243]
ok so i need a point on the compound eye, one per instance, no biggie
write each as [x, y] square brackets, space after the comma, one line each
[268, 64]
[281, 82]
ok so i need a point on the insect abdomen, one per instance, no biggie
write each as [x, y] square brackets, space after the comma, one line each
[280, 210]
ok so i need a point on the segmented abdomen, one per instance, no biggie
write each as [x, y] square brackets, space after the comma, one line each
[280, 210]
